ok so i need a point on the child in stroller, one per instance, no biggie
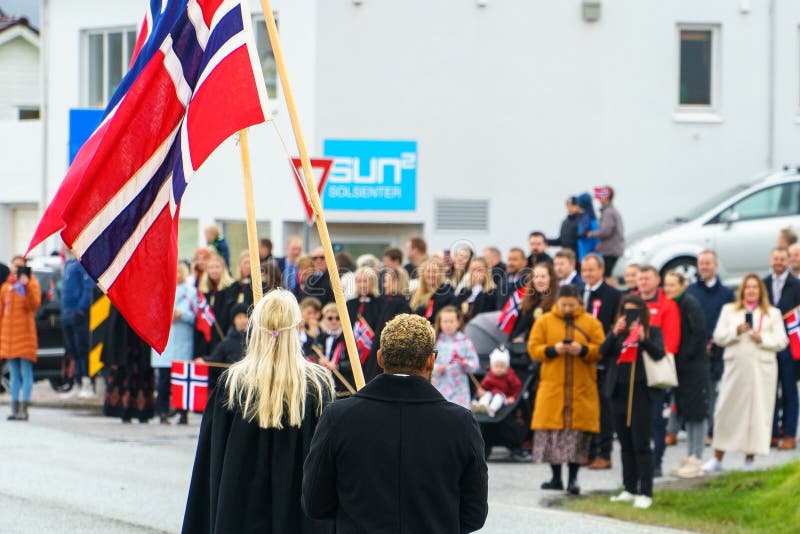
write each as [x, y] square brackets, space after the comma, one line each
[499, 387]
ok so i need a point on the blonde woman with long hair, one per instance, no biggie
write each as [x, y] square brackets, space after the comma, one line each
[434, 292]
[256, 430]
[752, 332]
[217, 286]
[479, 292]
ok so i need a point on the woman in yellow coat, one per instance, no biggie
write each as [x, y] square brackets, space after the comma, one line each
[20, 297]
[566, 341]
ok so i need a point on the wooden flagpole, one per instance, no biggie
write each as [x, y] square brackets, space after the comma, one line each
[250, 210]
[313, 195]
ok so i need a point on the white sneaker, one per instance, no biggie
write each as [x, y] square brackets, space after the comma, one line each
[690, 469]
[749, 466]
[712, 466]
[624, 497]
[643, 502]
[674, 471]
[86, 389]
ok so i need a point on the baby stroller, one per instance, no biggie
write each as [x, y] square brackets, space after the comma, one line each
[511, 423]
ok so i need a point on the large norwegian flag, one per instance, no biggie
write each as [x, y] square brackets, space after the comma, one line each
[194, 81]
[510, 312]
[792, 320]
[189, 386]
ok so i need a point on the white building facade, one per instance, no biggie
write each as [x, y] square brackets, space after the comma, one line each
[473, 120]
[20, 134]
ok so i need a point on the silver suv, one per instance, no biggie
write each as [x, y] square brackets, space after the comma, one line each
[740, 224]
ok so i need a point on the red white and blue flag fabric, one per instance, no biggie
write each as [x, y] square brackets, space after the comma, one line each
[195, 80]
[189, 386]
[204, 317]
[510, 312]
[364, 337]
[792, 320]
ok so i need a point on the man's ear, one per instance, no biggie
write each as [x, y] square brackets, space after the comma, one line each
[430, 363]
[380, 359]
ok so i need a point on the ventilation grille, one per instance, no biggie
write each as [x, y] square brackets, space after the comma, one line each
[456, 214]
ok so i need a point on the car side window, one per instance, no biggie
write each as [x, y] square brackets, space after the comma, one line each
[777, 201]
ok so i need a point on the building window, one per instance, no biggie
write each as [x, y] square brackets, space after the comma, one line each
[698, 66]
[28, 113]
[108, 53]
[265, 54]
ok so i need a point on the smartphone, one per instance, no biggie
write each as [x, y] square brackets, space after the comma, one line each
[748, 317]
[23, 270]
[633, 315]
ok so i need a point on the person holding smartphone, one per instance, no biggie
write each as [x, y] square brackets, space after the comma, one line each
[632, 401]
[566, 341]
[752, 333]
[20, 297]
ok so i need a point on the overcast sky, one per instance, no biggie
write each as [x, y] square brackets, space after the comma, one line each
[22, 8]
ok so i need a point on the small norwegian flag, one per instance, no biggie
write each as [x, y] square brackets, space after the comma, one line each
[508, 317]
[630, 347]
[189, 386]
[602, 193]
[364, 338]
[792, 320]
[205, 319]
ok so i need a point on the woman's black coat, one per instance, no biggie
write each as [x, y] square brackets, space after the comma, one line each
[443, 296]
[692, 362]
[486, 301]
[621, 372]
[247, 478]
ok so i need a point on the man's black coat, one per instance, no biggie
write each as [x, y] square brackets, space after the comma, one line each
[397, 458]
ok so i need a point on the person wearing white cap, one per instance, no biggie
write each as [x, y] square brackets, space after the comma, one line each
[500, 386]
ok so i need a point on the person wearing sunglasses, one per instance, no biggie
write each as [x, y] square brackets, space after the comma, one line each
[331, 350]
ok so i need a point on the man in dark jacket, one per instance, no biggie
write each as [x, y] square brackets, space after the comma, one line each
[397, 457]
[712, 296]
[537, 244]
[319, 284]
[784, 294]
[76, 297]
[568, 235]
[602, 301]
[494, 258]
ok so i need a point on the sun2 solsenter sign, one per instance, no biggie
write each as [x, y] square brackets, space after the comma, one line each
[371, 175]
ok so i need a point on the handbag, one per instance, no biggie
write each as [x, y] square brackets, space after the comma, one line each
[661, 374]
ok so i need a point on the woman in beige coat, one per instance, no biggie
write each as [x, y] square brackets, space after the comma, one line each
[752, 332]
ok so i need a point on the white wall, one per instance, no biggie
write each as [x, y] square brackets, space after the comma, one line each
[521, 102]
[524, 103]
[19, 82]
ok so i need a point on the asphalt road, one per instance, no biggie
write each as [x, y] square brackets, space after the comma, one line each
[73, 471]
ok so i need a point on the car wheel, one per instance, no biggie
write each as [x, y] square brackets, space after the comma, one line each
[687, 266]
[5, 378]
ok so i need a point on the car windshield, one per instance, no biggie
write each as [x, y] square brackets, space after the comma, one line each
[712, 202]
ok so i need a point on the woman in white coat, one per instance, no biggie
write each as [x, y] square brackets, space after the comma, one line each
[751, 332]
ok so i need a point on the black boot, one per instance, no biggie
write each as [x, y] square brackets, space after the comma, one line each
[554, 483]
[23, 412]
[572, 485]
[14, 416]
[184, 418]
